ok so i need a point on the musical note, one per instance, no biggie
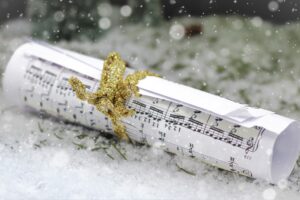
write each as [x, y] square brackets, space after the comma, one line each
[191, 146]
[176, 119]
[250, 144]
[139, 107]
[217, 133]
[162, 136]
[217, 120]
[236, 139]
[155, 113]
[177, 108]
[195, 114]
[195, 125]
[232, 164]
[33, 74]
[155, 101]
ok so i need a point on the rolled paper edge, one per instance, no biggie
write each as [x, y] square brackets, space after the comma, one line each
[12, 76]
[285, 152]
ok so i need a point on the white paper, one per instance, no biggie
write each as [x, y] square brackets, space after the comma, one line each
[250, 141]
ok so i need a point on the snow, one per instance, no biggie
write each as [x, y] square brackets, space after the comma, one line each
[273, 6]
[104, 23]
[269, 194]
[249, 61]
[125, 11]
[177, 31]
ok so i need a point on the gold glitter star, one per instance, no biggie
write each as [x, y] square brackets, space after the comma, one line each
[113, 91]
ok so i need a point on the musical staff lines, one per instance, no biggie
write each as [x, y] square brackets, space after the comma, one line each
[209, 126]
[169, 116]
[169, 125]
[230, 165]
[52, 80]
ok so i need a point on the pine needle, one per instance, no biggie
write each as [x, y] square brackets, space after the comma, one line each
[40, 127]
[57, 136]
[104, 149]
[79, 146]
[110, 156]
[43, 142]
[81, 136]
[184, 170]
[118, 150]
[96, 149]
[97, 137]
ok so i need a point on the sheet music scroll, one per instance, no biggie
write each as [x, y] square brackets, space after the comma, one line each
[250, 141]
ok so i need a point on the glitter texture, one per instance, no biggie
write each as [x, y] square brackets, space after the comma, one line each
[113, 91]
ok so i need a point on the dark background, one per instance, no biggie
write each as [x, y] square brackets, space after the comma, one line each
[288, 9]
[10, 9]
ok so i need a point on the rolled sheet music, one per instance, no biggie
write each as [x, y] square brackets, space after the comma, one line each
[250, 141]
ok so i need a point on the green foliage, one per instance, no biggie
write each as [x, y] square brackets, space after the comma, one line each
[80, 19]
[65, 19]
[146, 11]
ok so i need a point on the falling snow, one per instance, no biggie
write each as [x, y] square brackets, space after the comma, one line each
[125, 11]
[273, 6]
[269, 194]
[249, 61]
[104, 23]
[177, 31]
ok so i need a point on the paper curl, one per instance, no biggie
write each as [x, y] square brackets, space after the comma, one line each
[113, 91]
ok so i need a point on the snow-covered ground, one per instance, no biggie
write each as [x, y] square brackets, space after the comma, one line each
[249, 61]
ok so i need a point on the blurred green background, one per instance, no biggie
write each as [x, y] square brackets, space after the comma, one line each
[67, 19]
